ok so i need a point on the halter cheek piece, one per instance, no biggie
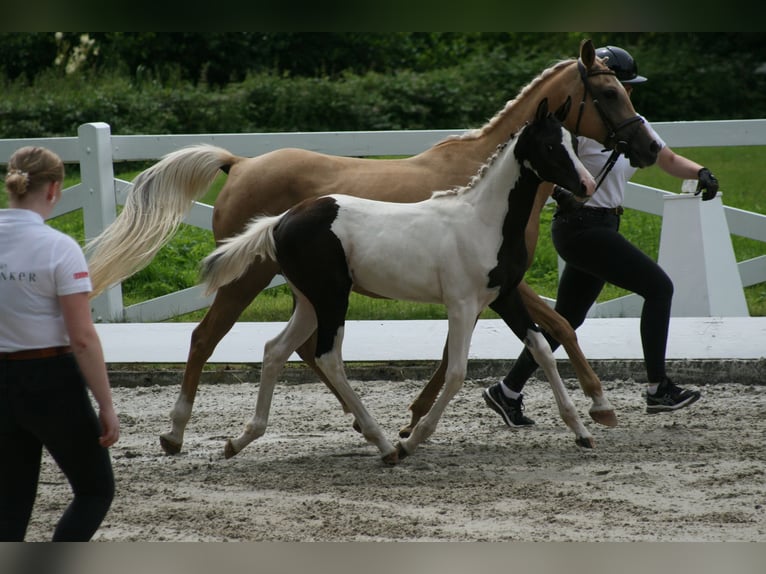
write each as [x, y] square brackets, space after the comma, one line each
[619, 145]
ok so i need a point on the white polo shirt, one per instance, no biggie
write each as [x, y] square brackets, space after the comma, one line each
[37, 265]
[611, 192]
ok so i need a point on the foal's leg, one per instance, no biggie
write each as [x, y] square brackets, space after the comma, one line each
[543, 355]
[425, 399]
[275, 354]
[329, 298]
[307, 352]
[461, 319]
[516, 316]
[559, 328]
[331, 364]
[229, 303]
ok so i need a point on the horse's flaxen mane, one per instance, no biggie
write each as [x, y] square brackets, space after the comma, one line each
[479, 174]
[479, 132]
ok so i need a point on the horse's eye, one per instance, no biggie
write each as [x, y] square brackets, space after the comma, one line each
[610, 94]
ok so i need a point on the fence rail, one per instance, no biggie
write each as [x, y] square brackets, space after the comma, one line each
[99, 193]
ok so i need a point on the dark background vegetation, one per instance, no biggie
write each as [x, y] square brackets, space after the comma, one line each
[236, 82]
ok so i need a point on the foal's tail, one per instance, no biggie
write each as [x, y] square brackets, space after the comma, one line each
[161, 197]
[234, 255]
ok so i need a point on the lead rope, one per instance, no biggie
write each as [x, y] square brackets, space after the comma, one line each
[611, 160]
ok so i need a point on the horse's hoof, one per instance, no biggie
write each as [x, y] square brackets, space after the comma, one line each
[356, 426]
[606, 418]
[391, 458]
[229, 450]
[405, 431]
[401, 451]
[169, 445]
[585, 441]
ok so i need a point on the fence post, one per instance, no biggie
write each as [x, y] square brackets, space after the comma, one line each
[100, 206]
[696, 252]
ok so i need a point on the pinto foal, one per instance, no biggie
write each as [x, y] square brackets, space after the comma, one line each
[464, 248]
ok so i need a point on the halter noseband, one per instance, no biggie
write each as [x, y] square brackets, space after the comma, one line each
[620, 145]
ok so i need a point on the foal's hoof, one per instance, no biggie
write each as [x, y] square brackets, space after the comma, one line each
[169, 445]
[405, 431]
[229, 450]
[606, 418]
[391, 458]
[356, 426]
[585, 441]
[401, 451]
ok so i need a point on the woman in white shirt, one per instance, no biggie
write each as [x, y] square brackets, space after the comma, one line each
[50, 354]
[587, 237]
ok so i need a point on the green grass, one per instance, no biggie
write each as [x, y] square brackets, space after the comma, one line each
[175, 267]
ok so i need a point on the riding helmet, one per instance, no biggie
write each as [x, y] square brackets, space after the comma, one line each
[621, 63]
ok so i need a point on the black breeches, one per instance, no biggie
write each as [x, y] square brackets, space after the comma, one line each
[596, 253]
[45, 403]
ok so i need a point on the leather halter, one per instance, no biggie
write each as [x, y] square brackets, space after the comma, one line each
[619, 145]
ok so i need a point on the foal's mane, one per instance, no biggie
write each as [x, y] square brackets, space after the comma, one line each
[479, 174]
[479, 132]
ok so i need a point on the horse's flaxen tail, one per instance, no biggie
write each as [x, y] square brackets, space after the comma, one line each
[160, 199]
[234, 255]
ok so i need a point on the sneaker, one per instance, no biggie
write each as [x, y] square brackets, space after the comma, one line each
[670, 397]
[509, 409]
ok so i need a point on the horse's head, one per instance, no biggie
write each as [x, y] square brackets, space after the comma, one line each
[547, 148]
[606, 113]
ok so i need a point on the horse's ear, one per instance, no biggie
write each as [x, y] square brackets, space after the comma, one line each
[587, 53]
[542, 109]
[563, 111]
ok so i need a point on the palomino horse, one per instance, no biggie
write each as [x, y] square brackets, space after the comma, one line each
[464, 248]
[273, 182]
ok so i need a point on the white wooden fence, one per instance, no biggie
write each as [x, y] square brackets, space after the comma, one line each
[99, 193]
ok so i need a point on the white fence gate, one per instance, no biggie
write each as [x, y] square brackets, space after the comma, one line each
[99, 193]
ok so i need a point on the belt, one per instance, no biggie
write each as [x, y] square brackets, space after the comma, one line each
[44, 353]
[606, 210]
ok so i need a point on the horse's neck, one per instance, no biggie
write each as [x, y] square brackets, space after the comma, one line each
[512, 118]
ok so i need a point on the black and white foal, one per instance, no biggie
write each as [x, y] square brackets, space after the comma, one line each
[463, 248]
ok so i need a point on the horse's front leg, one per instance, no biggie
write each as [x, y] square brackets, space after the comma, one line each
[541, 351]
[461, 319]
[512, 310]
[559, 328]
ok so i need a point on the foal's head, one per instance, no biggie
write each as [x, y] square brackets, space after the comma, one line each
[546, 147]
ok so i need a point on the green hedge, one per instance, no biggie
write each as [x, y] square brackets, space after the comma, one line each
[457, 97]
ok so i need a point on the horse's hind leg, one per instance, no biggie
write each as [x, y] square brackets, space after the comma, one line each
[425, 399]
[331, 363]
[559, 328]
[275, 354]
[307, 352]
[229, 303]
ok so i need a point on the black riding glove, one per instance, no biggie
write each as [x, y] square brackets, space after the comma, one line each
[566, 199]
[708, 183]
